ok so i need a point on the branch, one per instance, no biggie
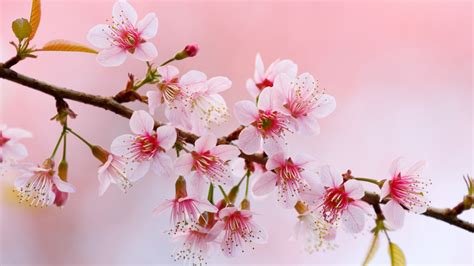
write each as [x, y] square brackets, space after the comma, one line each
[108, 103]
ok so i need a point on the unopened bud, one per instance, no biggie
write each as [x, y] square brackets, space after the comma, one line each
[189, 51]
[48, 164]
[245, 204]
[100, 153]
[300, 207]
[181, 188]
[233, 194]
[60, 197]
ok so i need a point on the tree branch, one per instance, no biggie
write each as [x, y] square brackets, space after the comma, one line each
[108, 103]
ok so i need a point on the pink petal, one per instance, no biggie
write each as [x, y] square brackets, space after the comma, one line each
[99, 36]
[121, 145]
[308, 124]
[154, 100]
[166, 136]
[227, 211]
[306, 85]
[226, 152]
[416, 169]
[140, 170]
[193, 80]
[284, 66]
[218, 84]
[168, 72]
[354, 189]
[245, 112]
[385, 191]
[276, 160]
[63, 186]
[205, 143]
[113, 56]
[16, 133]
[199, 184]
[163, 206]
[15, 151]
[184, 164]
[215, 231]
[249, 140]
[395, 167]
[265, 184]
[148, 26]
[353, 219]
[141, 123]
[205, 206]
[328, 178]
[283, 84]
[394, 214]
[274, 145]
[145, 51]
[252, 89]
[104, 182]
[259, 68]
[326, 104]
[305, 161]
[123, 11]
[162, 165]
[268, 99]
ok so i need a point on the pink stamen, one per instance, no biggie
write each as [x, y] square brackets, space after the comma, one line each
[335, 202]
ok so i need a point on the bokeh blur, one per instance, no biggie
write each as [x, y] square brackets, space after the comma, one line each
[401, 72]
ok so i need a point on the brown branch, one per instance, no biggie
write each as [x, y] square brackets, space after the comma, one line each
[108, 103]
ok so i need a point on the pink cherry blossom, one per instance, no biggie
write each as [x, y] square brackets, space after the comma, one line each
[169, 91]
[265, 78]
[202, 105]
[264, 122]
[113, 171]
[208, 162]
[10, 148]
[124, 35]
[304, 101]
[406, 189]
[239, 229]
[195, 244]
[146, 148]
[37, 184]
[338, 200]
[289, 175]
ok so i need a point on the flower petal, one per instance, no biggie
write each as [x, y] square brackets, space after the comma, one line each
[63, 186]
[16, 133]
[154, 100]
[276, 160]
[145, 51]
[148, 26]
[269, 99]
[104, 182]
[122, 11]
[308, 124]
[394, 214]
[259, 69]
[252, 89]
[122, 145]
[226, 152]
[265, 184]
[113, 56]
[283, 84]
[163, 206]
[245, 112]
[162, 165]
[168, 72]
[249, 140]
[205, 143]
[166, 136]
[328, 178]
[193, 80]
[395, 167]
[274, 145]
[284, 66]
[141, 123]
[15, 151]
[218, 84]
[416, 169]
[99, 36]
[184, 164]
[353, 219]
[354, 189]
[325, 105]
[205, 206]
[141, 169]
[385, 191]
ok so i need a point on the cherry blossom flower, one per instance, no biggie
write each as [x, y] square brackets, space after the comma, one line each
[202, 105]
[169, 91]
[303, 101]
[195, 245]
[114, 170]
[10, 148]
[264, 122]
[124, 35]
[288, 174]
[185, 209]
[239, 231]
[406, 189]
[265, 78]
[146, 148]
[37, 184]
[338, 200]
[316, 233]
[207, 162]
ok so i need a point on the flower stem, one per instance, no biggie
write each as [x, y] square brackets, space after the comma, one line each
[247, 184]
[79, 137]
[210, 194]
[369, 180]
[64, 142]
[226, 198]
[168, 61]
[57, 145]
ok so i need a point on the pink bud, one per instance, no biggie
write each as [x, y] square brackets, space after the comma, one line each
[61, 197]
[191, 49]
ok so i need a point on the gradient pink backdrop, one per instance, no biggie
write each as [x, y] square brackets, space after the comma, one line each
[401, 73]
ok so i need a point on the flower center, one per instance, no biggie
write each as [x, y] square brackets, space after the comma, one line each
[3, 139]
[290, 182]
[407, 190]
[170, 91]
[145, 147]
[335, 202]
[39, 189]
[270, 123]
[211, 166]
[299, 107]
[124, 34]
[265, 83]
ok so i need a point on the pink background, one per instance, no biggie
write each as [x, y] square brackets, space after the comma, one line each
[400, 71]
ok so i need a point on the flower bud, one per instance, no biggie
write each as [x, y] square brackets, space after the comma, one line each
[181, 188]
[189, 51]
[100, 153]
[48, 164]
[22, 28]
[61, 197]
[300, 207]
[233, 194]
[245, 204]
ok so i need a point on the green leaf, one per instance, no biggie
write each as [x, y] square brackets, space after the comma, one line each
[22, 28]
[397, 257]
[35, 17]
[67, 46]
[374, 245]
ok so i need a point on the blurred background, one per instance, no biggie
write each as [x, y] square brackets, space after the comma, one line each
[401, 72]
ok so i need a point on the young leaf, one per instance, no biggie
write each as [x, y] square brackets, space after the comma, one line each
[22, 28]
[397, 257]
[374, 245]
[35, 17]
[66, 46]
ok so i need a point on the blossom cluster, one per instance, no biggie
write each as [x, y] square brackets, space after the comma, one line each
[282, 102]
